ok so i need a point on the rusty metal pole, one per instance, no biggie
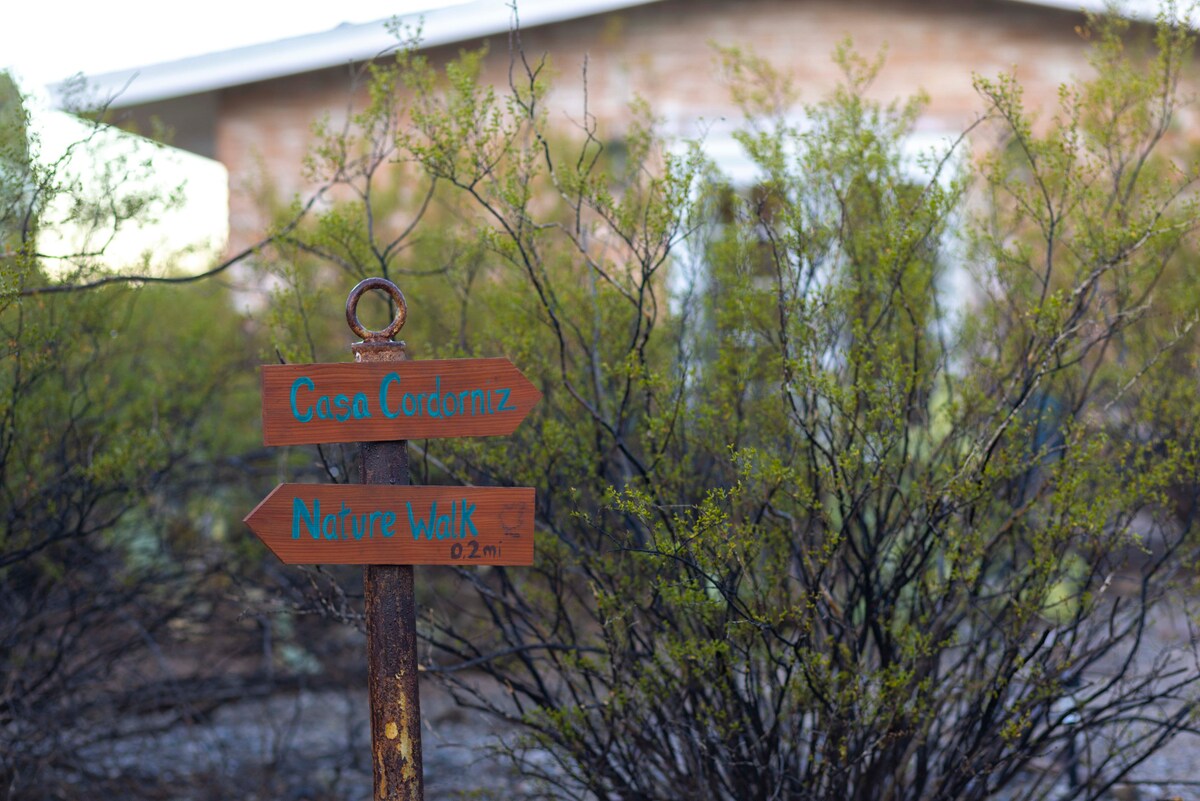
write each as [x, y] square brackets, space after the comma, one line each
[388, 589]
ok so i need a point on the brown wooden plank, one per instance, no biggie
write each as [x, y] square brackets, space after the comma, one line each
[305, 404]
[363, 524]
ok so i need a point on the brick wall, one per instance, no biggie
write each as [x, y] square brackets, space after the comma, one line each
[661, 52]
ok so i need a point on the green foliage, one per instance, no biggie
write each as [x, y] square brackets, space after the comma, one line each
[810, 524]
[16, 186]
[120, 410]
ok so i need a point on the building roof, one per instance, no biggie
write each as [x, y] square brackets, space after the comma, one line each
[1143, 10]
[345, 44]
[349, 43]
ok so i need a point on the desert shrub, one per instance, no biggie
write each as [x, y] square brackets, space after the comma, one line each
[814, 520]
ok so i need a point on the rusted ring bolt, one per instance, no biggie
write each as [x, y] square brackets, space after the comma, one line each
[358, 328]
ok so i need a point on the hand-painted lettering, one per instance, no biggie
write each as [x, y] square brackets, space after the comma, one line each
[467, 510]
[302, 381]
[360, 525]
[477, 401]
[345, 407]
[300, 514]
[341, 407]
[472, 550]
[361, 409]
[455, 524]
[383, 395]
[420, 527]
[334, 526]
[435, 398]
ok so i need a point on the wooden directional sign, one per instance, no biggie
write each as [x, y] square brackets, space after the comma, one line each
[306, 404]
[372, 524]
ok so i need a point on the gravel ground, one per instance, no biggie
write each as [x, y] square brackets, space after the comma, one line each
[310, 746]
[1174, 771]
[315, 746]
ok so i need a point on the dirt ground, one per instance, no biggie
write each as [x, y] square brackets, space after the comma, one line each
[314, 745]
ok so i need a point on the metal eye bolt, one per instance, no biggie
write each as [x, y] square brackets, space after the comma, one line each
[352, 310]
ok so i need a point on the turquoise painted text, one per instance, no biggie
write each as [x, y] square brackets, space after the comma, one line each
[308, 404]
[346, 524]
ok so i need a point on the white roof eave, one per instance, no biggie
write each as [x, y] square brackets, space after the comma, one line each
[343, 45]
[349, 44]
[1140, 10]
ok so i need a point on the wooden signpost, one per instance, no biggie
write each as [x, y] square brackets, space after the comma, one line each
[307, 404]
[381, 401]
[358, 524]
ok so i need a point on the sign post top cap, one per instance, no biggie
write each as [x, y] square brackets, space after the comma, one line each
[358, 328]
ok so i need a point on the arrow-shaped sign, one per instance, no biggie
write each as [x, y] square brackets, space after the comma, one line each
[306, 404]
[362, 524]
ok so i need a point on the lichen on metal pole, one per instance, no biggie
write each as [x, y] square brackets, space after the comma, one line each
[390, 606]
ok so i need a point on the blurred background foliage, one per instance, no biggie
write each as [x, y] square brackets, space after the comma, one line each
[814, 521]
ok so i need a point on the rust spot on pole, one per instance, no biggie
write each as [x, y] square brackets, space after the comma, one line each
[388, 590]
